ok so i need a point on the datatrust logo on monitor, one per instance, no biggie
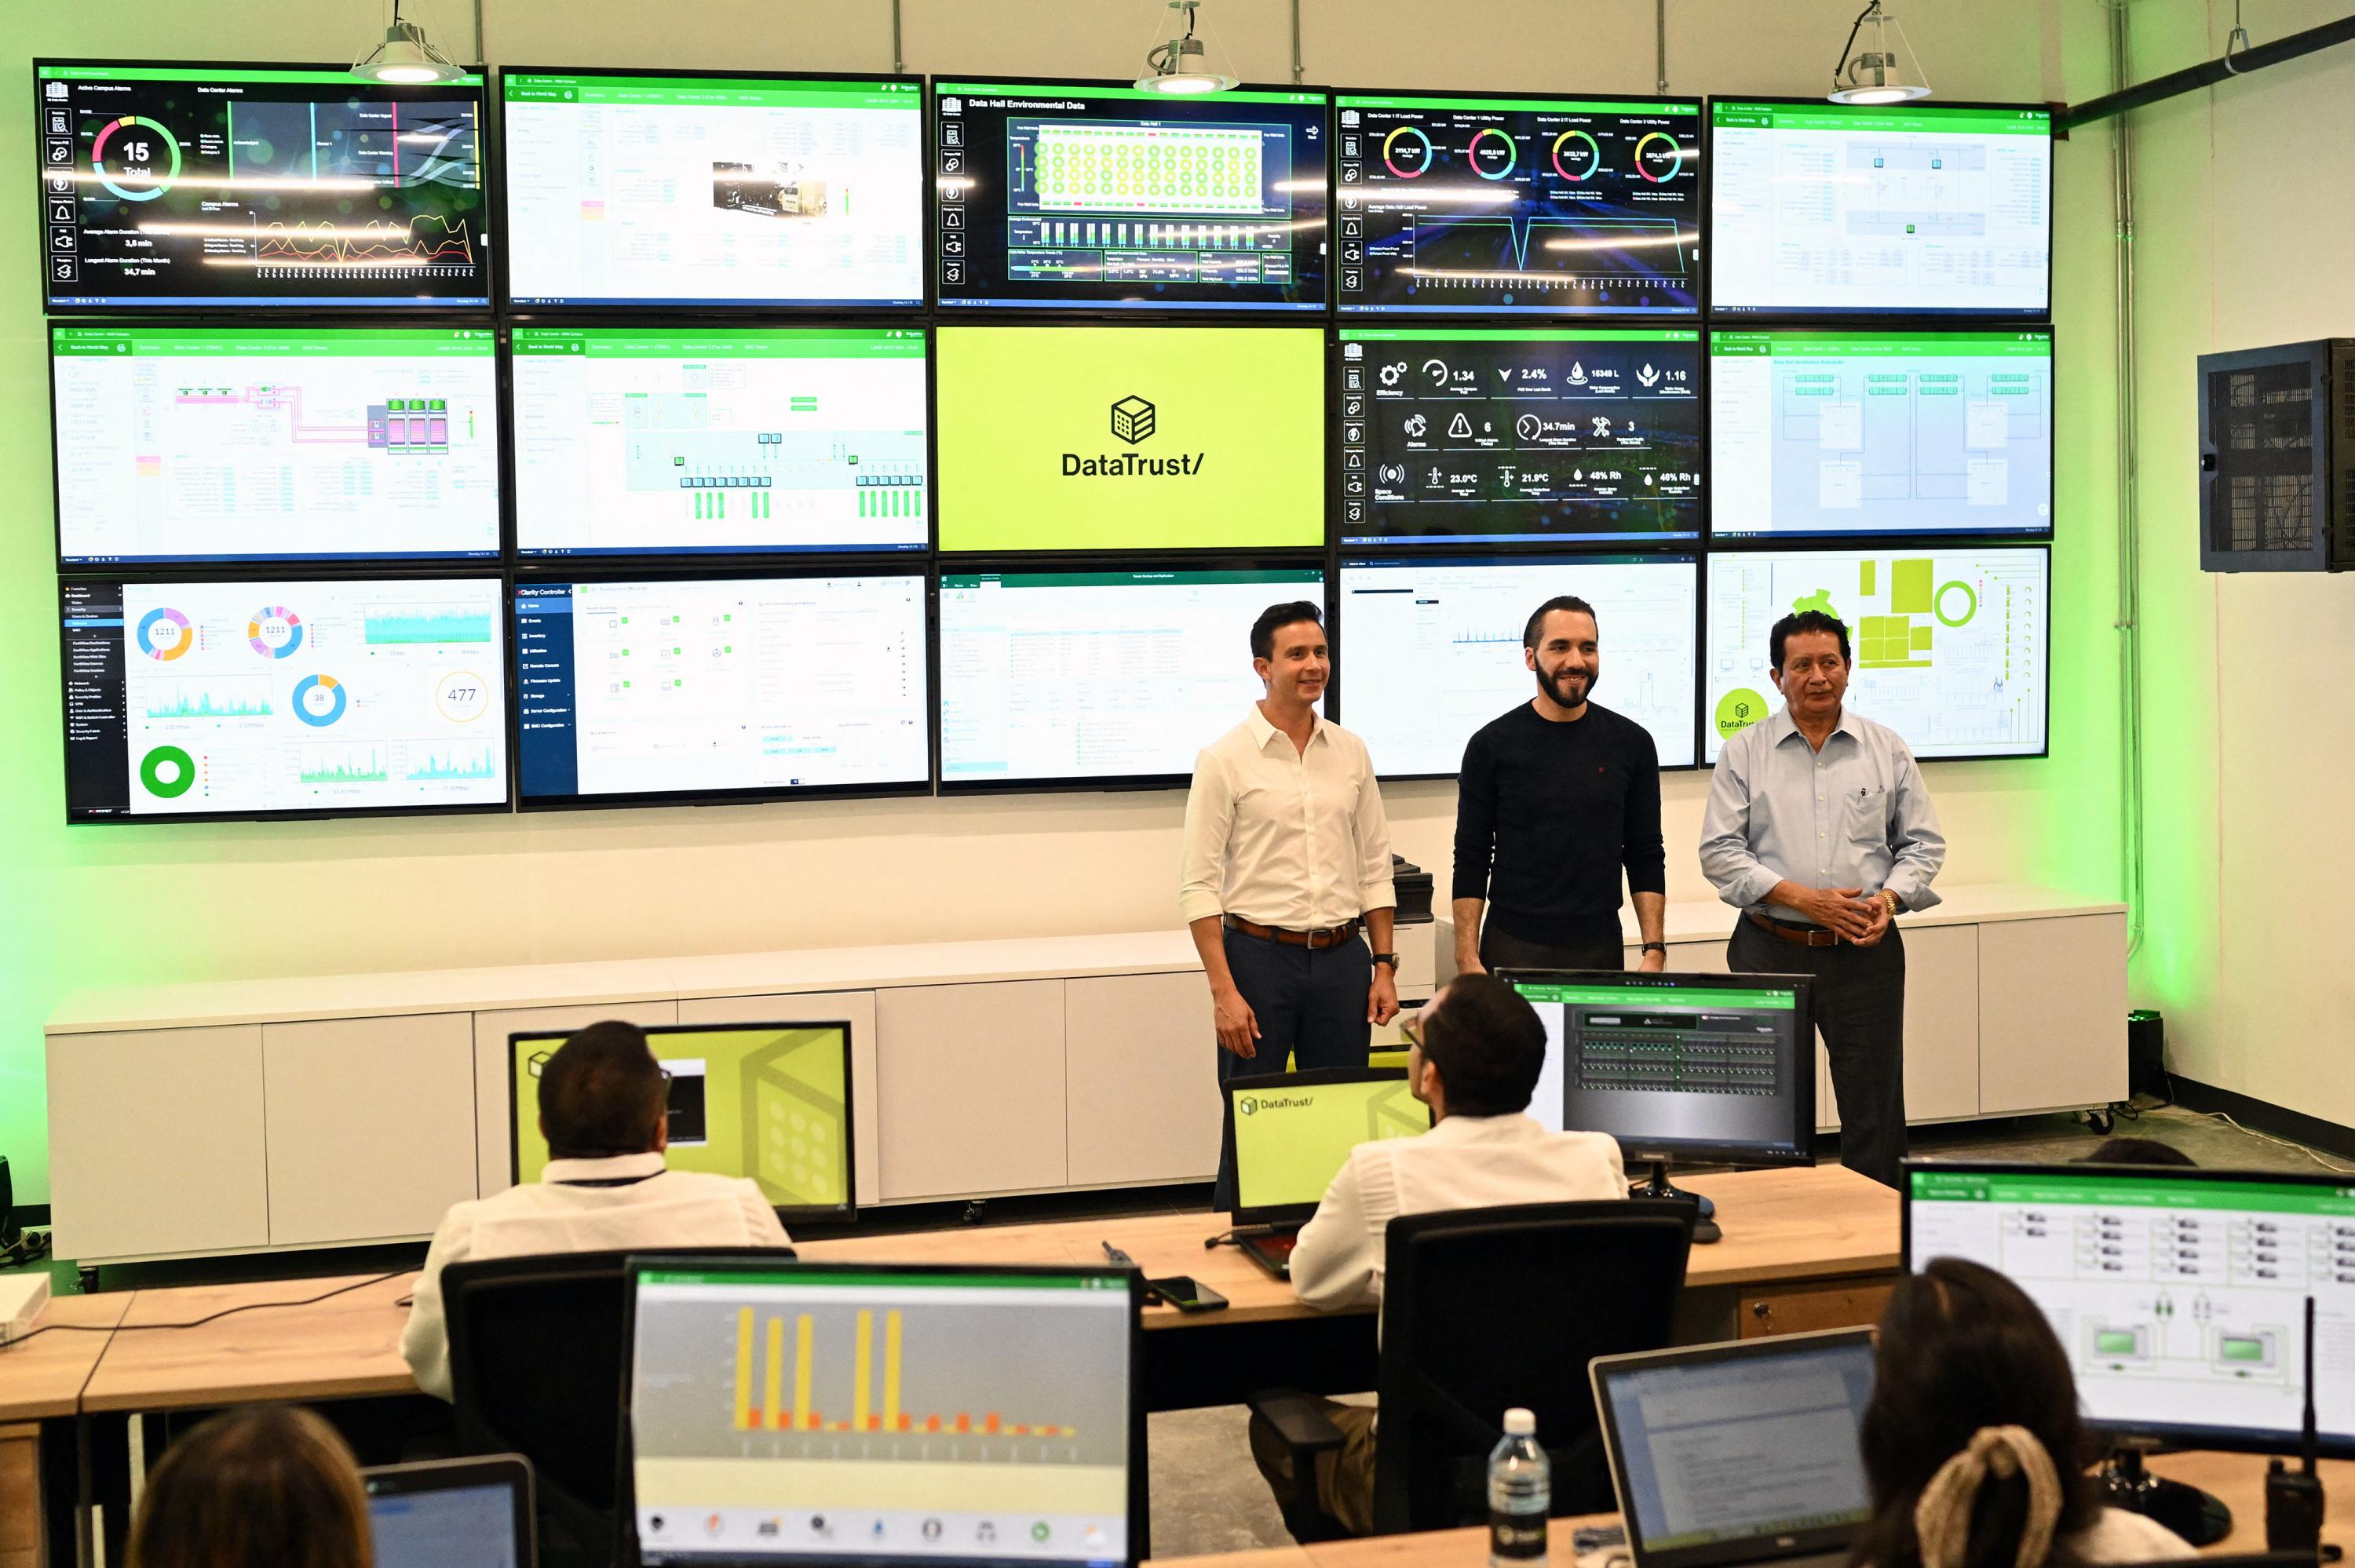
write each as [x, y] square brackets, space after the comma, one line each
[1133, 420]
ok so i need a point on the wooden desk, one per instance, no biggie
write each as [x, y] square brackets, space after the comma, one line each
[344, 1348]
[42, 1379]
[2239, 1479]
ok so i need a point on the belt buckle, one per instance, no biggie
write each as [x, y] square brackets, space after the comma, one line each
[1823, 938]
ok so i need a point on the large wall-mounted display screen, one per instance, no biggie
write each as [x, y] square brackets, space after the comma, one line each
[1096, 195]
[1432, 648]
[1950, 647]
[1098, 674]
[707, 190]
[266, 697]
[1120, 437]
[1830, 432]
[707, 440]
[270, 443]
[1453, 436]
[1913, 209]
[1562, 205]
[187, 186]
[672, 688]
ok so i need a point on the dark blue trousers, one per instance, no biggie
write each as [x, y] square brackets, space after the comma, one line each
[1311, 1006]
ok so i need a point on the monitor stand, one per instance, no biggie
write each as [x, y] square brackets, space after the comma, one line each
[2197, 1516]
[1659, 1186]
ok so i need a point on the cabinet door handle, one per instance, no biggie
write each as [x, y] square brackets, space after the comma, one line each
[1761, 1310]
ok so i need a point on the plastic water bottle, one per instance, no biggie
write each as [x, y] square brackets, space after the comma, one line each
[1520, 1490]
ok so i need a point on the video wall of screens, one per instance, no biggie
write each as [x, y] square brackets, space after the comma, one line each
[288, 187]
[662, 190]
[1950, 644]
[1821, 433]
[271, 695]
[653, 689]
[1131, 438]
[1434, 650]
[1527, 205]
[693, 440]
[1468, 436]
[1109, 673]
[273, 443]
[1838, 209]
[1098, 196]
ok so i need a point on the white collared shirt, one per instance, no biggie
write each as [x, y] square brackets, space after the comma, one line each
[1463, 1162]
[1284, 836]
[667, 1208]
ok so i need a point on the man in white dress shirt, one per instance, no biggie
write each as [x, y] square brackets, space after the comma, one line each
[1287, 862]
[1477, 1049]
[603, 1108]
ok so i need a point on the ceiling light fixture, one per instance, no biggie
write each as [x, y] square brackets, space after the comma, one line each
[1875, 74]
[1180, 67]
[407, 57]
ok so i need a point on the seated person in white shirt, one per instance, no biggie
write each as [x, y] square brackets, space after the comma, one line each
[1478, 1048]
[603, 1108]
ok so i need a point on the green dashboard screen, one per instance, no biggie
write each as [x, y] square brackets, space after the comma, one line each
[1130, 438]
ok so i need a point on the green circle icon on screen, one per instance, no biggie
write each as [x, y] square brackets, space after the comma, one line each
[1737, 711]
[1970, 602]
[167, 772]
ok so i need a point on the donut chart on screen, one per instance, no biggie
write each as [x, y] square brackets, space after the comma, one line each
[1579, 146]
[167, 772]
[1479, 152]
[267, 620]
[1674, 152]
[317, 709]
[1407, 152]
[137, 157]
[168, 644]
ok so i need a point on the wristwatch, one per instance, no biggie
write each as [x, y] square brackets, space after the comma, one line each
[1390, 958]
[1659, 948]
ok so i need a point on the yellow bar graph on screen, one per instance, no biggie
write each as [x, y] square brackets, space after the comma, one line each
[891, 1371]
[745, 1413]
[862, 1371]
[801, 1336]
[770, 1410]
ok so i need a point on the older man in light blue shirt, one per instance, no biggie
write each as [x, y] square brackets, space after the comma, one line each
[1821, 833]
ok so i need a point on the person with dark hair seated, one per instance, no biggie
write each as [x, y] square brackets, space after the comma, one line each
[271, 1486]
[604, 1110]
[1973, 1450]
[1476, 1049]
[2136, 1151]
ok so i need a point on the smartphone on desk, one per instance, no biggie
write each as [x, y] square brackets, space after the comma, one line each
[1186, 1293]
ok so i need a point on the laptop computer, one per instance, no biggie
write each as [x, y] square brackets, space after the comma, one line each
[1733, 1455]
[453, 1513]
[1292, 1132]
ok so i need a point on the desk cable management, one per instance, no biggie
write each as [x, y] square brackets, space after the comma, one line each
[208, 1318]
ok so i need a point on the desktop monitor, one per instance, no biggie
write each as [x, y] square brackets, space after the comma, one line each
[453, 1513]
[1098, 196]
[657, 190]
[1105, 675]
[689, 441]
[1950, 645]
[1455, 437]
[266, 697]
[168, 185]
[268, 441]
[1434, 650]
[769, 1102]
[2178, 1293]
[884, 1413]
[1292, 1132]
[1820, 433]
[1678, 1066]
[671, 689]
[1526, 205]
[1912, 209]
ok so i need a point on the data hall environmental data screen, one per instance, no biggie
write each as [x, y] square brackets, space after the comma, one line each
[1951, 648]
[1840, 209]
[720, 685]
[1433, 648]
[1108, 675]
[267, 443]
[1465, 437]
[707, 190]
[1823, 433]
[183, 185]
[1544, 204]
[707, 440]
[1099, 196]
[263, 696]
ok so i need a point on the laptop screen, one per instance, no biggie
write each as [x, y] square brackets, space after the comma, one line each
[457, 1519]
[1713, 1451]
[1293, 1132]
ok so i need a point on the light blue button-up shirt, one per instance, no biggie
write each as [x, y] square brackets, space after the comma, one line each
[1854, 814]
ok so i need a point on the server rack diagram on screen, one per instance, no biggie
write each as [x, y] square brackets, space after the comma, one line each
[257, 444]
[1948, 649]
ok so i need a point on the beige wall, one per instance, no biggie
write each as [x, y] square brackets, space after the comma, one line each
[146, 904]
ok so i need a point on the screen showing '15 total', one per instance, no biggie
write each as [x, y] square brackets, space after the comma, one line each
[305, 186]
[1101, 197]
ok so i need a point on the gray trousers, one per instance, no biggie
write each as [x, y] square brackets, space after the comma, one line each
[1861, 1008]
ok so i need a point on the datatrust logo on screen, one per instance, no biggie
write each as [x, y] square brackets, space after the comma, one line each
[1133, 420]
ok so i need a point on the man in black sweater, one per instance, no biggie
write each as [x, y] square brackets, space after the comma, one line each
[1553, 798]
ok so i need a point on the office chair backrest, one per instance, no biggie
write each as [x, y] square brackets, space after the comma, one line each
[1484, 1309]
